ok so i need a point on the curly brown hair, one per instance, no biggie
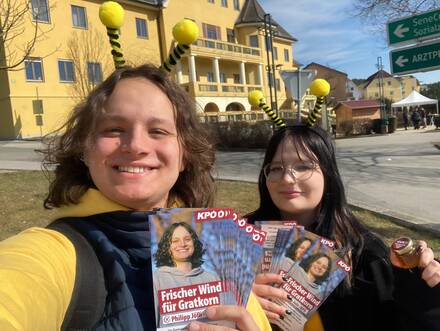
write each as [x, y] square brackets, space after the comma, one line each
[64, 150]
[163, 255]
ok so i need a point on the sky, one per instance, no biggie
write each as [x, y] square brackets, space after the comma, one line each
[330, 35]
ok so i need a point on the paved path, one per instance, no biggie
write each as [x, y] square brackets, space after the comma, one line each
[397, 175]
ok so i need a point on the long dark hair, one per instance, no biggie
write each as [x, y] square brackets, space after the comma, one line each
[291, 251]
[334, 219]
[194, 186]
[306, 263]
[163, 254]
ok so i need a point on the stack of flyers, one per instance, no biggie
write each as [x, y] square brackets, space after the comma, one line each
[310, 269]
[201, 258]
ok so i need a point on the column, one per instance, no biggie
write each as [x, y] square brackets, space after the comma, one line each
[192, 68]
[260, 74]
[179, 72]
[243, 73]
[216, 68]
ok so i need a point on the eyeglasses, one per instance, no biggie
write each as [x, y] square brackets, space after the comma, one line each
[300, 171]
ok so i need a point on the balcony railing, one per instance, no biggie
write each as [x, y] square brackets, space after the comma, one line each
[237, 116]
[219, 89]
[228, 47]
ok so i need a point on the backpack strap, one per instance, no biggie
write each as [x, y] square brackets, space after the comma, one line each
[89, 294]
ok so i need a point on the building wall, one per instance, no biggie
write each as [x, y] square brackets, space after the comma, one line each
[17, 116]
[394, 88]
[57, 96]
[337, 81]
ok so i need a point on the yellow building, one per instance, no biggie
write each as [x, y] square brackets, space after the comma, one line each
[394, 88]
[72, 55]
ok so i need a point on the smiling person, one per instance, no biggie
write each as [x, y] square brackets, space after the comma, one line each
[179, 260]
[295, 252]
[299, 180]
[134, 144]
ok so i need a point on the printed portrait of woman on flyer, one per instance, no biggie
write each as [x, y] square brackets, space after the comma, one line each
[179, 258]
[295, 252]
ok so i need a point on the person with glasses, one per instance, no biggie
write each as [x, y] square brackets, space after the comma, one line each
[299, 180]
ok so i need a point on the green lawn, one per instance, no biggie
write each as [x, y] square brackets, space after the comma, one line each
[22, 193]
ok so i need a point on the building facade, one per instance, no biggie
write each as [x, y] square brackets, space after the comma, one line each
[73, 55]
[394, 88]
[337, 80]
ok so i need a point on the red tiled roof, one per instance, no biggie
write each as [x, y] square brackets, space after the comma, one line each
[360, 104]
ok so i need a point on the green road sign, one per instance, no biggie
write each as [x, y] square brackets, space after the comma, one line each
[422, 57]
[414, 28]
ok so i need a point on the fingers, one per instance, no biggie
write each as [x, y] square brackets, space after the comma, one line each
[431, 273]
[236, 314]
[426, 254]
[272, 310]
[268, 291]
[198, 326]
[267, 278]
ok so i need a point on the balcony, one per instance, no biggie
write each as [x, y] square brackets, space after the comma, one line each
[216, 48]
[237, 116]
[197, 89]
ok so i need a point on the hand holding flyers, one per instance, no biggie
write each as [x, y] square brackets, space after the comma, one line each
[239, 315]
[202, 258]
[309, 270]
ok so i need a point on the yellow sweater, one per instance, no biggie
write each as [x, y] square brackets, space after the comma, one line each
[37, 273]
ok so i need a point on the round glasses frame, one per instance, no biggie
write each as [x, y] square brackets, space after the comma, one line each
[300, 172]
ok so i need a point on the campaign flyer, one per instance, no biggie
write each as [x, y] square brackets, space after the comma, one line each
[198, 262]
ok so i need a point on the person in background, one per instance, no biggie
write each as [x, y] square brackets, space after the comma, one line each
[415, 118]
[405, 118]
[133, 145]
[303, 183]
[423, 117]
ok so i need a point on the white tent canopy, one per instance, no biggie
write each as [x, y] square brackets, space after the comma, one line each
[415, 99]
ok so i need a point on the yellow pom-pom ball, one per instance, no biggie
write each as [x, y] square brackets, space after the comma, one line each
[255, 97]
[111, 14]
[320, 87]
[186, 32]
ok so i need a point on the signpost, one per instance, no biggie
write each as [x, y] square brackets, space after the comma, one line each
[421, 57]
[416, 28]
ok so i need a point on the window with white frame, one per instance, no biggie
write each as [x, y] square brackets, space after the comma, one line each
[225, 3]
[94, 72]
[211, 31]
[66, 71]
[141, 28]
[275, 53]
[40, 10]
[79, 18]
[34, 69]
[237, 4]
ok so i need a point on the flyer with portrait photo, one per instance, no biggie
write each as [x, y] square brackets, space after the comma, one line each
[311, 271]
[198, 262]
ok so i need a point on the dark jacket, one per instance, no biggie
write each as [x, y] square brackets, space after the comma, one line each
[121, 243]
[383, 297]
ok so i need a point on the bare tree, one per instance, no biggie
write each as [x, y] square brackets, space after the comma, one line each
[84, 47]
[378, 12]
[18, 19]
